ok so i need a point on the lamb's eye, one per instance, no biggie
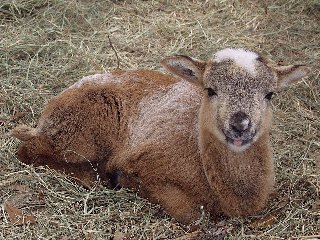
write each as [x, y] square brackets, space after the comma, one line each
[269, 96]
[211, 92]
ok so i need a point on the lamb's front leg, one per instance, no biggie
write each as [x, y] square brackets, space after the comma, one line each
[175, 201]
[148, 172]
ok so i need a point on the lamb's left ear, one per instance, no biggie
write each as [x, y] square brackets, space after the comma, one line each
[185, 67]
[288, 75]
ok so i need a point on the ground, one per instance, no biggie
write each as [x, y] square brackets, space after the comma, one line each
[46, 45]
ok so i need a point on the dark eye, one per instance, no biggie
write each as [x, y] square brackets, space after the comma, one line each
[211, 92]
[269, 96]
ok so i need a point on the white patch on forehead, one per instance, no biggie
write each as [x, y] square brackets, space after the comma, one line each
[165, 113]
[243, 58]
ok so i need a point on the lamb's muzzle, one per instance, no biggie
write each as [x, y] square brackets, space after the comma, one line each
[239, 132]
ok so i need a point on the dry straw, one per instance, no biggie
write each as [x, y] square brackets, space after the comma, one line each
[46, 45]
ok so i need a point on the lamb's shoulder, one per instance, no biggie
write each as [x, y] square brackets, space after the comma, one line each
[169, 112]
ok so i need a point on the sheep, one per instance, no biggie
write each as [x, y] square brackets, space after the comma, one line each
[197, 139]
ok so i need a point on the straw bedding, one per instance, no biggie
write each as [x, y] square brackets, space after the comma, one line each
[47, 45]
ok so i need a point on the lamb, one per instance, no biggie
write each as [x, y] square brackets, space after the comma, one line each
[199, 140]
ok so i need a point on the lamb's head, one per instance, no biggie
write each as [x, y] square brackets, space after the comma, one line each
[238, 86]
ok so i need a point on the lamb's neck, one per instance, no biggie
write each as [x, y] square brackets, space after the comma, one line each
[241, 181]
[214, 150]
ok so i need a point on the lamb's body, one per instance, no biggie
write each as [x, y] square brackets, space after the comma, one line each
[141, 129]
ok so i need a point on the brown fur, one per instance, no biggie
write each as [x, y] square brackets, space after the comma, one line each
[178, 161]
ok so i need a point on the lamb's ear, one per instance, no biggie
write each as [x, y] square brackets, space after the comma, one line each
[185, 67]
[288, 75]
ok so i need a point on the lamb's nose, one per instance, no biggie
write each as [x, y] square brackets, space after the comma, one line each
[240, 122]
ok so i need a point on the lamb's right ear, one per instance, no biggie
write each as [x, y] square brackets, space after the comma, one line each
[185, 67]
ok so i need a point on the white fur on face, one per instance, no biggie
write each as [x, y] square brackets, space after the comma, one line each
[243, 58]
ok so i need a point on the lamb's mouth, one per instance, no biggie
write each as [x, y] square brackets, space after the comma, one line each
[239, 142]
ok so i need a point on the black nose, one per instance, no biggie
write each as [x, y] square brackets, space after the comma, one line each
[240, 122]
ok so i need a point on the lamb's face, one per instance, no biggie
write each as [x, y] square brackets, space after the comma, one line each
[238, 87]
[236, 102]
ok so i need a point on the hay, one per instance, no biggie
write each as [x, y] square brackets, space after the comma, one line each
[46, 45]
